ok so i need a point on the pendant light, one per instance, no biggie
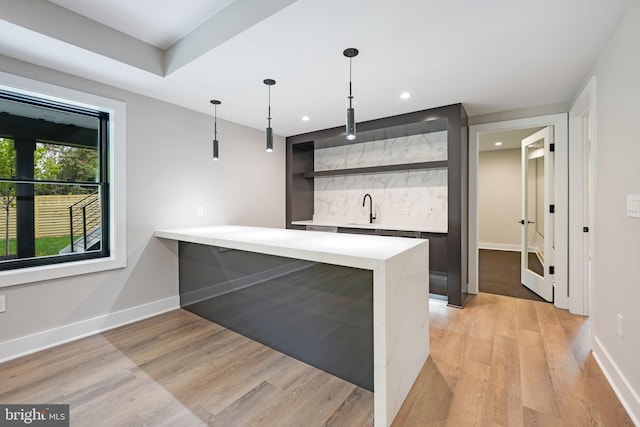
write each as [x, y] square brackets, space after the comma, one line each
[351, 121]
[269, 83]
[215, 103]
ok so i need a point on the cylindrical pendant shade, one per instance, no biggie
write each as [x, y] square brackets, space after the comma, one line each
[351, 124]
[269, 139]
[215, 149]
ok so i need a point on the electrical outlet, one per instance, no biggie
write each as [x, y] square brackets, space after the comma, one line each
[200, 211]
[619, 326]
[3, 304]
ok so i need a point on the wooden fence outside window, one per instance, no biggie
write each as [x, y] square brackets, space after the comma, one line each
[52, 216]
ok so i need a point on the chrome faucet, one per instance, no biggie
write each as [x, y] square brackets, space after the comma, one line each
[364, 200]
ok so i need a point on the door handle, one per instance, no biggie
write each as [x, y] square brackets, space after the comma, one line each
[528, 222]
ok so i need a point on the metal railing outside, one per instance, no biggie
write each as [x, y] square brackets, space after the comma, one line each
[84, 216]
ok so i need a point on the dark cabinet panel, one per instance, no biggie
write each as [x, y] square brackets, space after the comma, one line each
[321, 314]
[437, 252]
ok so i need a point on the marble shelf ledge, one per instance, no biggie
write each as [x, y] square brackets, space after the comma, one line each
[402, 167]
[400, 292]
[425, 228]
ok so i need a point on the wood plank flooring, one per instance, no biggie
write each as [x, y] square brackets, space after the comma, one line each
[500, 361]
[178, 369]
[504, 361]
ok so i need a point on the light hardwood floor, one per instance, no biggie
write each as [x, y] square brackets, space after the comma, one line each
[498, 362]
[504, 361]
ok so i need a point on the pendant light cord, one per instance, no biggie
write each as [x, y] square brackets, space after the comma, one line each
[269, 118]
[350, 95]
[215, 122]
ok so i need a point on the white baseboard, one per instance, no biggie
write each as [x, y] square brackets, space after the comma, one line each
[499, 246]
[504, 247]
[621, 386]
[50, 338]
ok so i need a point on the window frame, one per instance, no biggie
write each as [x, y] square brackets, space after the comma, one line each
[113, 167]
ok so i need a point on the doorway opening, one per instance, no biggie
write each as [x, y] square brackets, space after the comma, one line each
[557, 272]
[507, 244]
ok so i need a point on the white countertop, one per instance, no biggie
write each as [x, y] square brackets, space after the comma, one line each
[352, 250]
[426, 228]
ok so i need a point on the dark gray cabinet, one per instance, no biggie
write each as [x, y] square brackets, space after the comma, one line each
[448, 252]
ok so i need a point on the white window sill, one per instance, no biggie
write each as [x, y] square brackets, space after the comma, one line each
[56, 271]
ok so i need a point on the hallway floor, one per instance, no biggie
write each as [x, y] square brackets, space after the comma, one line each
[499, 273]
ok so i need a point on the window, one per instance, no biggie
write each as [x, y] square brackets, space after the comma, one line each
[53, 182]
[62, 182]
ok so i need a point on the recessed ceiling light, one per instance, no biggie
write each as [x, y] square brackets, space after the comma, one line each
[405, 95]
[497, 144]
[305, 118]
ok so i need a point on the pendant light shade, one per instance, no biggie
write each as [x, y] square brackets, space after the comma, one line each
[215, 103]
[269, 83]
[215, 150]
[269, 140]
[351, 119]
[351, 124]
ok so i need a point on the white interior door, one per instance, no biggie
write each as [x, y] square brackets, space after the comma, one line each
[537, 220]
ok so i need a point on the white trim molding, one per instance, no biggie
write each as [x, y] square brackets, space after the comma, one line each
[619, 383]
[117, 188]
[560, 123]
[582, 131]
[505, 247]
[499, 246]
[28, 344]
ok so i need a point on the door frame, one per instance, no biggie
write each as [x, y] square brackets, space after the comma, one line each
[582, 112]
[560, 123]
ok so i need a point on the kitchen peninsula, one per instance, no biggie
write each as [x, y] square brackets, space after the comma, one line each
[371, 292]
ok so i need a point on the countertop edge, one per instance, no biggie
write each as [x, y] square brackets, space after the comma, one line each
[373, 226]
[204, 236]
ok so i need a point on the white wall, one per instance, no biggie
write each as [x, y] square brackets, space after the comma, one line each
[499, 195]
[617, 237]
[169, 173]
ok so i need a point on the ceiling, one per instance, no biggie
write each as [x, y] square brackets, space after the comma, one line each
[160, 23]
[508, 139]
[494, 55]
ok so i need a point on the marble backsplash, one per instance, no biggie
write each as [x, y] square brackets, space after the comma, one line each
[404, 198]
[409, 149]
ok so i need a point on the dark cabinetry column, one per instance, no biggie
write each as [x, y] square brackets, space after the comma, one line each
[457, 239]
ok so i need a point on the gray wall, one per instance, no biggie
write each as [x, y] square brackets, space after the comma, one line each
[617, 237]
[499, 199]
[169, 173]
